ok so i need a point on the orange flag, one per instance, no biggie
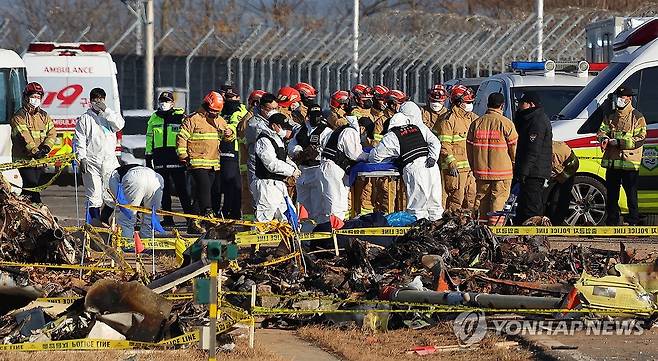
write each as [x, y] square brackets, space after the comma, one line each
[139, 246]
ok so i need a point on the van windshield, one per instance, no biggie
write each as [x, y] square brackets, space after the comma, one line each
[553, 98]
[594, 88]
[12, 82]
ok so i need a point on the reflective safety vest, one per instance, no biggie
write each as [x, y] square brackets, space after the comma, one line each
[198, 140]
[161, 133]
[412, 145]
[629, 128]
[229, 149]
[452, 133]
[261, 170]
[491, 146]
[332, 153]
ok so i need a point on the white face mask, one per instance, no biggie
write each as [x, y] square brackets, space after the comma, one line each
[620, 103]
[35, 102]
[166, 106]
[282, 133]
[270, 113]
[294, 106]
[436, 106]
[468, 107]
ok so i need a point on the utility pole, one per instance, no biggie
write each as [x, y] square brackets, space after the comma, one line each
[148, 57]
[540, 30]
[355, 50]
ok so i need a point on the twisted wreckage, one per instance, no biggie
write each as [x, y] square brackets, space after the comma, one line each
[454, 262]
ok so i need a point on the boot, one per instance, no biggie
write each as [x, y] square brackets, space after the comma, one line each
[193, 227]
[168, 221]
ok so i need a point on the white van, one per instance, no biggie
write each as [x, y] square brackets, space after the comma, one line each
[12, 83]
[635, 64]
[68, 72]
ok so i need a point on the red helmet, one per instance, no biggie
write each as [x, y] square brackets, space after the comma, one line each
[380, 91]
[214, 101]
[396, 96]
[437, 93]
[361, 91]
[306, 90]
[288, 95]
[461, 93]
[339, 97]
[255, 96]
[33, 88]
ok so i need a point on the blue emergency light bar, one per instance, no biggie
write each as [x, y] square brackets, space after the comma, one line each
[528, 65]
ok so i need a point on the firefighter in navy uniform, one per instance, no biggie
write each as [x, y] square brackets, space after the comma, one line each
[305, 149]
[161, 131]
[228, 184]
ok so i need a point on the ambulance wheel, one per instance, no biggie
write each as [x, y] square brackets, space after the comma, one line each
[587, 206]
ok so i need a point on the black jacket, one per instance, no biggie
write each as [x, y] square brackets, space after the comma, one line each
[535, 146]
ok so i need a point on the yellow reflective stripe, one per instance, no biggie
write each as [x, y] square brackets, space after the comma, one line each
[452, 138]
[50, 142]
[620, 164]
[640, 131]
[243, 168]
[36, 133]
[445, 138]
[184, 134]
[204, 136]
[204, 162]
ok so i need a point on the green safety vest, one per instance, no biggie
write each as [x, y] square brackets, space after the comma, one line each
[159, 137]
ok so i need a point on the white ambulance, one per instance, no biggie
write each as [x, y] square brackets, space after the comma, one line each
[12, 83]
[635, 65]
[68, 72]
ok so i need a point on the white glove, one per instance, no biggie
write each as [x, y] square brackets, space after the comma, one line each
[297, 173]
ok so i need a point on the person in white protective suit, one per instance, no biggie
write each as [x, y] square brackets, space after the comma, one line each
[340, 152]
[141, 187]
[414, 149]
[272, 167]
[95, 144]
[305, 148]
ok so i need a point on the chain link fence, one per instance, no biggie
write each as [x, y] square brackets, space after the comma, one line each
[434, 49]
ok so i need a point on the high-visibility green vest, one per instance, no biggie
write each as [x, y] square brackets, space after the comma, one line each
[161, 135]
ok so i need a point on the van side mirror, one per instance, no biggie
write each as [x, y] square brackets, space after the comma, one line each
[593, 123]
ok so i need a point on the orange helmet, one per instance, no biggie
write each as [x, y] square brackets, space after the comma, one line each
[288, 95]
[339, 97]
[396, 96]
[255, 96]
[306, 90]
[437, 93]
[380, 91]
[214, 101]
[461, 93]
[33, 88]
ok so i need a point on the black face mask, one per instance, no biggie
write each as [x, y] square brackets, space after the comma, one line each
[230, 107]
[367, 103]
[314, 122]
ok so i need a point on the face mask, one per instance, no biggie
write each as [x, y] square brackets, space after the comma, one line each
[282, 133]
[212, 115]
[166, 106]
[35, 102]
[367, 104]
[468, 107]
[436, 106]
[620, 103]
[294, 106]
[270, 113]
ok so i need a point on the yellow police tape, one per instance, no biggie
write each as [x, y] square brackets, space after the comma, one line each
[34, 163]
[277, 260]
[60, 266]
[576, 231]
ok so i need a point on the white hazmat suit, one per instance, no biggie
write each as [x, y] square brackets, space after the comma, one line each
[308, 185]
[335, 182]
[423, 183]
[95, 141]
[270, 194]
[142, 187]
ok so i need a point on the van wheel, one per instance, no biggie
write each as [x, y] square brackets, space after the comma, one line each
[587, 206]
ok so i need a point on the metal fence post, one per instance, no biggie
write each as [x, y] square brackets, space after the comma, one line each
[244, 53]
[313, 52]
[523, 39]
[388, 40]
[546, 37]
[289, 58]
[458, 51]
[557, 41]
[401, 62]
[437, 48]
[188, 60]
[464, 54]
[493, 47]
[82, 34]
[248, 41]
[124, 35]
[508, 39]
[528, 40]
[411, 64]
[327, 67]
[266, 44]
[366, 56]
[389, 54]
[472, 54]
[447, 51]
[273, 51]
[568, 46]
[335, 44]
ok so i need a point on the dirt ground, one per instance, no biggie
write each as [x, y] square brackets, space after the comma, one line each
[357, 345]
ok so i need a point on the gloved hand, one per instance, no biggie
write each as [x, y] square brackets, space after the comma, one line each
[84, 166]
[297, 173]
[149, 161]
[99, 106]
[430, 162]
[453, 171]
[43, 151]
